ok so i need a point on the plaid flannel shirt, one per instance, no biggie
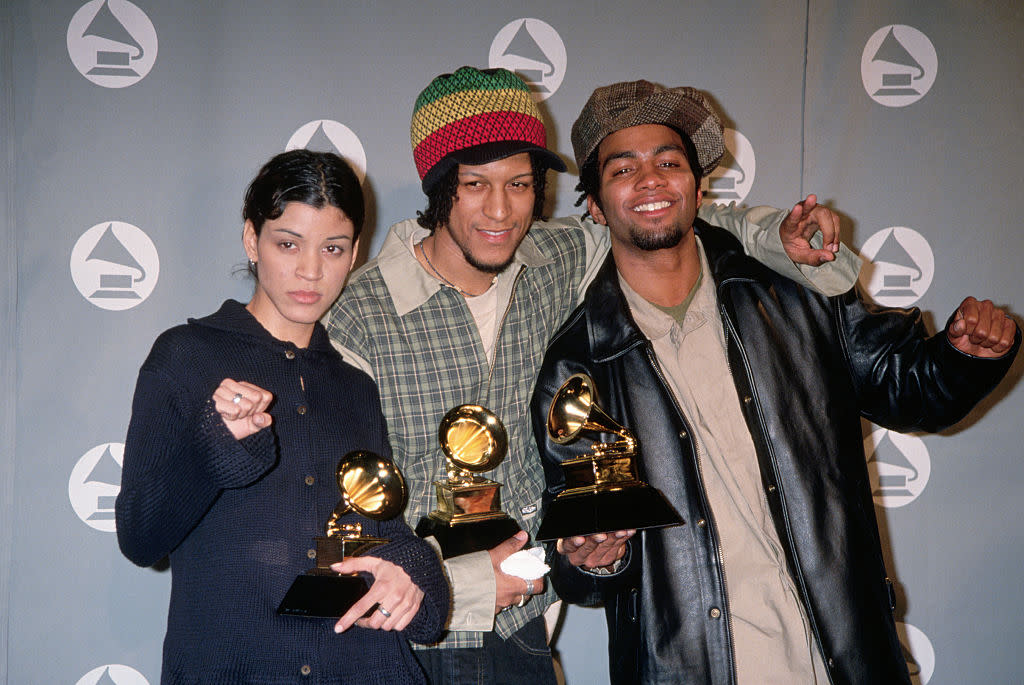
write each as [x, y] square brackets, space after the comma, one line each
[424, 350]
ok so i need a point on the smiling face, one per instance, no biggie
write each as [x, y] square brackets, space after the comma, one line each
[303, 258]
[491, 213]
[648, 194]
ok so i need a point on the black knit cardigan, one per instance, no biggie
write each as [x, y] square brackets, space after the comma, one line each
[238, 518]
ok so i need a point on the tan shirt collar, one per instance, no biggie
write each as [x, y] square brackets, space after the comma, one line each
[655, 324]
[411, 285]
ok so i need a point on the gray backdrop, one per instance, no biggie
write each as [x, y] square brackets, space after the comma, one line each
[128, 133]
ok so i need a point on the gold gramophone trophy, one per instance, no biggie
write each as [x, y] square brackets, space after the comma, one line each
[372, 486]
[602, 490]
[468, 517]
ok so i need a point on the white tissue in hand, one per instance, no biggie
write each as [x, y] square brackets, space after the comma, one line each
[527, 564]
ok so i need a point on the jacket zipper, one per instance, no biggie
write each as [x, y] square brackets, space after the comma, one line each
[491, 363]
[730, 332]
[501, 325]
[709, 513]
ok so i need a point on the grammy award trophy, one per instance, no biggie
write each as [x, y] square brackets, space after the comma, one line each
[602, 489]
[372, 486]
[468, 517]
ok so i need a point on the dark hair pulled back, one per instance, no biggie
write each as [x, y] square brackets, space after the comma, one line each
[313, 178]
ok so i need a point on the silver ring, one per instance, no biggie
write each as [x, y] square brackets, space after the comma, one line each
[529, 586]
[523, 599]
[387, 614]
[237, 398]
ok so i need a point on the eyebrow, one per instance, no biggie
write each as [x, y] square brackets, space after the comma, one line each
[299, 235]
[631, 154]
[476, 174]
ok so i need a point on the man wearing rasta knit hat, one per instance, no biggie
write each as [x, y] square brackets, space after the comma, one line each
[745, 391]
[485, 120]
[457, 308]
[474, 117]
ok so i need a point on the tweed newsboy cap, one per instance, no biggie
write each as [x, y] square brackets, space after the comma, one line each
[633, 103]
[475, 116]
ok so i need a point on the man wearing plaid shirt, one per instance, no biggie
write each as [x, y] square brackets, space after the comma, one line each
[458, 307]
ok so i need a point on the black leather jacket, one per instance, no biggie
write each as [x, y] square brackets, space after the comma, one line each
[806, 367]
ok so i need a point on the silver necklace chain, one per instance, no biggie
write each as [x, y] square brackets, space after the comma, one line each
[423, 251]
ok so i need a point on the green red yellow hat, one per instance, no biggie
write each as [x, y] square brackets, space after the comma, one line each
[475, 116]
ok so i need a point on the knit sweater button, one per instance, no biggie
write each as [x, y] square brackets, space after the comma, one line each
[301, 409]
[290, 354]
[310, 480]
[311, 553]
[305, 670]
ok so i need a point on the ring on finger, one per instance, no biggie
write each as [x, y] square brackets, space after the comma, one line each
[523, 599]
[237, 398]
[387, 614]
[529, 586]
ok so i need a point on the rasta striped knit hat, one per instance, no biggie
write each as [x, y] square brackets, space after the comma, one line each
[475, 116]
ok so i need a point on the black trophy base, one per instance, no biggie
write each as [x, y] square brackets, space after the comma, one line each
[632, 507]
[463, 538]
[322, 596]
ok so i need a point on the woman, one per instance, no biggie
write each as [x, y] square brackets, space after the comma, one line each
[238, 422]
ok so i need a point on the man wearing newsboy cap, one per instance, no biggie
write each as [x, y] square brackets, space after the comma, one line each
[744, 391]
[457, 308]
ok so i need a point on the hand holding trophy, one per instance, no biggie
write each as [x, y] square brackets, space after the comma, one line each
[372, 486]
[468, 517]
[602, 489]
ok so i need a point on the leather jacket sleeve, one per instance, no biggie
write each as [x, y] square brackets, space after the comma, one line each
[905, 380]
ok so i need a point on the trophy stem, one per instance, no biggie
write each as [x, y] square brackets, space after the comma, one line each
[331, 550]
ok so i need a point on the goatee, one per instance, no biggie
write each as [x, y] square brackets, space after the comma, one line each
[485, 267]
[650, 241]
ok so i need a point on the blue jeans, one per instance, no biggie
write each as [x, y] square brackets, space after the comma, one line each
[524, 658]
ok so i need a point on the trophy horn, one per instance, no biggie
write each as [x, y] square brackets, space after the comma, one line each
[371, 485]
[473, 438]
[574, 409]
